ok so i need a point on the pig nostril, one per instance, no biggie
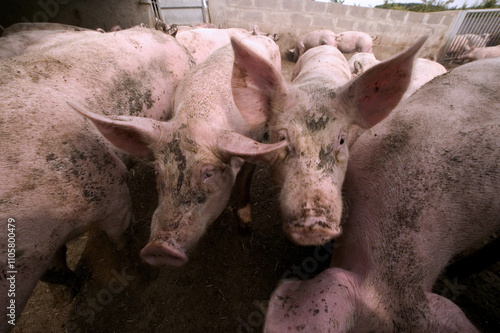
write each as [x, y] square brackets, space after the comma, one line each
[159, 253]
[312, 231]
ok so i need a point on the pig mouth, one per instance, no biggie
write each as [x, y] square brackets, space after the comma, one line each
[312, 230]
[161, 253]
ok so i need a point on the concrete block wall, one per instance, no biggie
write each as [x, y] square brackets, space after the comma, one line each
[395, 30]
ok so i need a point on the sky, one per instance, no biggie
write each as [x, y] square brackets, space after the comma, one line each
[373, 3]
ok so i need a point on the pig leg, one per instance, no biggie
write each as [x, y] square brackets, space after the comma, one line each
[116, 224]
[242, 188]
[60, 273]
[17, 286]
[299, 50]
[446, 316]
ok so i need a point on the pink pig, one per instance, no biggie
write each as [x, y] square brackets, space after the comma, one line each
[202, 42]
[317, 115]
[218, 116]
[479, 53]
[354, 41]
[59, 175]
[313, 39]
[421, 187]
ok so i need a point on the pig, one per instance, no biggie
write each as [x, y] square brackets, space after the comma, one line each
[313, 39]
[354, 41]
[18, 37]
[421, 187]
[316, 115]
[481, 53]
[182, 28]
[424, 70]
[218, 118]
[360, 62]
[39, 26]
[204, 41]
[15, 43]
[461, 43]
[60, 177]
[313, 60]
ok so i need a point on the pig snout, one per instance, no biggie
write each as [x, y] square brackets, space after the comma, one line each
[311, 218]
[162, 253]
[315, 227]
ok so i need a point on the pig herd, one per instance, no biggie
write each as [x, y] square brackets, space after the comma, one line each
[397, 160]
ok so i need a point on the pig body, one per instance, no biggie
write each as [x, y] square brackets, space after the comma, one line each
[462, 43]
[354, 41]
[313, 39]
[60, 177]
[360, 62]
[15, 43]
[482, 53]
[217, 115]
[39, 26]
[313, 60]
[204, 41]
[424, 70]
[421, 187]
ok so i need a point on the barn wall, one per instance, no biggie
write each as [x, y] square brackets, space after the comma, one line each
[90, 14]
[292, 18]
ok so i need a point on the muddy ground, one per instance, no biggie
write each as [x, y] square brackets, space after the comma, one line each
[223, 288]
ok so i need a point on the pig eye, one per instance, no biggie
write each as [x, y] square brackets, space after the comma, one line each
[282, 135]
[207, 174]
[342, 139]
[213, 178]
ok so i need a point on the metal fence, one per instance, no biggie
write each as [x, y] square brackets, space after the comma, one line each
[472, 28]
[183, 11]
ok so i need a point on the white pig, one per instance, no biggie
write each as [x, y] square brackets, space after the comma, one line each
[218, 114]
[315, 115]
[481, 53]
[59, 175]
[461, 43]
[424, 70]
[202, 42]
[313, 39]
[355, 41]
[15, 43]
[360, 62]
[39, 26]
[421, 187]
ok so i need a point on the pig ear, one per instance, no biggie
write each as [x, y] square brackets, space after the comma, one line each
[231, 144]
[253, 81]
[375, 93]
[134, 135]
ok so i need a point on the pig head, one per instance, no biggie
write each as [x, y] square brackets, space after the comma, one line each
[316, 115]
[217, 116]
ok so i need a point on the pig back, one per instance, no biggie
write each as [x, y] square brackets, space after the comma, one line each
[431, 168]
[56, 166]
[325, 63]
[131, 72]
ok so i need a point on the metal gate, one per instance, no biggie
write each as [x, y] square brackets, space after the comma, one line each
[472, 28]
[181, 11]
